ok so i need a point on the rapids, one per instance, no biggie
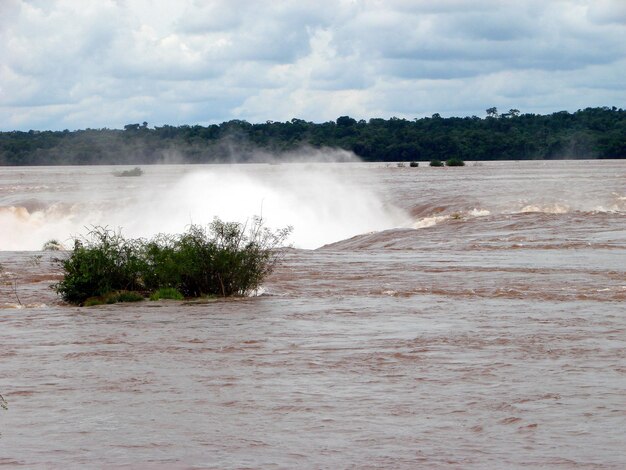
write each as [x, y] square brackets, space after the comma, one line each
[447, 318]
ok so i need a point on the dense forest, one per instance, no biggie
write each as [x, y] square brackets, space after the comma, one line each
[588, 133]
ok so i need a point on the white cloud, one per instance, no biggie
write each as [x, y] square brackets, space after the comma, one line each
[75, 64]
[607, 12]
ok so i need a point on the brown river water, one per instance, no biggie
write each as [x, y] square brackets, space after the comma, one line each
[425, 318]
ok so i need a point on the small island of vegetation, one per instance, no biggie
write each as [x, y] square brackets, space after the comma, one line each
[224, 259]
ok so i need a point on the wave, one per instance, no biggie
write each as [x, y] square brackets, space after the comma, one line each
[454, 209]
[520, 292]
[479, 229]
[430, 221]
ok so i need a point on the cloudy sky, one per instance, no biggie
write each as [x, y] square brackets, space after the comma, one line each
[105, 63]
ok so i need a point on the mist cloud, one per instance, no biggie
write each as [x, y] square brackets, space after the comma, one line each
[71, 64]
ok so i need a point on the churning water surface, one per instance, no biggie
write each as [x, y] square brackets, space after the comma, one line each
[425, 318]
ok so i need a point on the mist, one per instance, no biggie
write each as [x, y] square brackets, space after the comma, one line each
[323, 202]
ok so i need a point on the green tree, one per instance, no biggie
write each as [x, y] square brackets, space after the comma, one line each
[492, 112]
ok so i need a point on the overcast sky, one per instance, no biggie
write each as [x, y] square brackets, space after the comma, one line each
[73, 64]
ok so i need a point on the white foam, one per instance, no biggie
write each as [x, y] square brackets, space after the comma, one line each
[546, 208]
[429, 221]
[479, 212]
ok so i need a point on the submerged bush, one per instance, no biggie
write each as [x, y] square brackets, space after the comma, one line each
[9, 280]
[455, 162]
[414, 164]
[224, 259]
[52, 245]
[436, 163]
[134, 172]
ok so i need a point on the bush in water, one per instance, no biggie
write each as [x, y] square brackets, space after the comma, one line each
[225, 259]
[455, 162]
[436, 163]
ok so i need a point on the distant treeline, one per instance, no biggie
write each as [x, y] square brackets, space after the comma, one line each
[588, 133]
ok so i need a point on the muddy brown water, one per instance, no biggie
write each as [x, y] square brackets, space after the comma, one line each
[486, 329]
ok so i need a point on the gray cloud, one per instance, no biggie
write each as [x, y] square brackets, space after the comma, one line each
[72, 64]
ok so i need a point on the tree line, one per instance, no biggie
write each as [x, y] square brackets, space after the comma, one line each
[589, 133]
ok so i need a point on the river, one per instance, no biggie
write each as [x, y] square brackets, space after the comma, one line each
[424, 318]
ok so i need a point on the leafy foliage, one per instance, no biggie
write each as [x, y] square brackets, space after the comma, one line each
[101, 263]
[225, 259]
[169, 293]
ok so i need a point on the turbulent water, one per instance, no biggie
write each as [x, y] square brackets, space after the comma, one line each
[425, 318]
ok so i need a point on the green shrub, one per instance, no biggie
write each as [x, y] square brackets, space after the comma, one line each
[222, 259]
[102, 263]
[169, 293]
[455, 162]
[414, 164]
[436, 163]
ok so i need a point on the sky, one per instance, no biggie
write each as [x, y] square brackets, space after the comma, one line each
[76, 64]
